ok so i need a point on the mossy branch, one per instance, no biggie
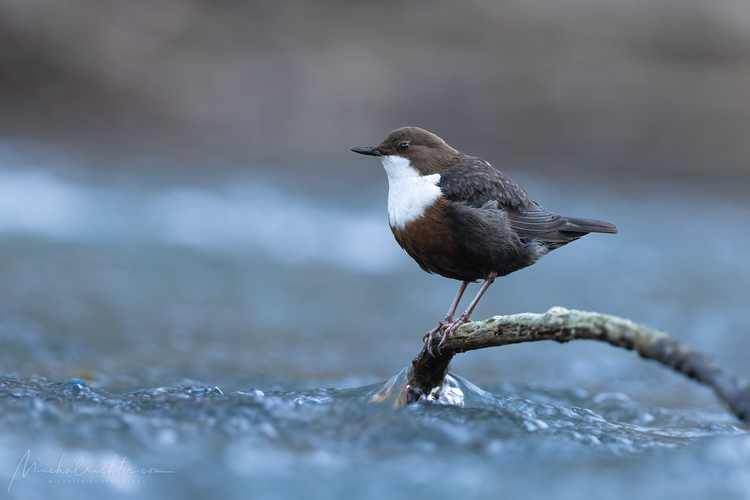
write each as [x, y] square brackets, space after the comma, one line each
[563, 325]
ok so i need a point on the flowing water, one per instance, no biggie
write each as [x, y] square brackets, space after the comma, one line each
[227, 335]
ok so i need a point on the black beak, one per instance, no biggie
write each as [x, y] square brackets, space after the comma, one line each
[367, 151]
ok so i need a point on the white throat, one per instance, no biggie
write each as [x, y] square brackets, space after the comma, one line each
[409, 193]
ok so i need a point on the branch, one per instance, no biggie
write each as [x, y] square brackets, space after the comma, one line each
[426, 373]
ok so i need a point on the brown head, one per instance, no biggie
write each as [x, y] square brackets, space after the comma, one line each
[426, 152]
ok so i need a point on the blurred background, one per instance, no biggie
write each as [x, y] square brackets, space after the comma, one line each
[179, 205]
[614, 85]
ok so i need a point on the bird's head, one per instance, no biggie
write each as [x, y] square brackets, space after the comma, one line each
[425, 152]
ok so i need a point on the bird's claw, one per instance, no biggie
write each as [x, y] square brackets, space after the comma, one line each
[432, 332]
[448, 328]
[430, 335]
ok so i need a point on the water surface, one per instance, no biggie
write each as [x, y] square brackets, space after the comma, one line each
[228, 333]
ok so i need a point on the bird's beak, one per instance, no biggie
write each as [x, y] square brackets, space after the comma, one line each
[367, 151]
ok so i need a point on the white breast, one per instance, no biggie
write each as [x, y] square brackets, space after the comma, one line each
[409, 193]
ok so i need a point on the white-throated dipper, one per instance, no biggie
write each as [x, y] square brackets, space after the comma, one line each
[460, 218]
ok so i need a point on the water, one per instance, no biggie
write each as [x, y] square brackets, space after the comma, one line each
[226, 337]
[198, 441]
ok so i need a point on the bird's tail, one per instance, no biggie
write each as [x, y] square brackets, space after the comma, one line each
[585, 226]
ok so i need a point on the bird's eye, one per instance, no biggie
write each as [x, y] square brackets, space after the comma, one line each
[403, 146]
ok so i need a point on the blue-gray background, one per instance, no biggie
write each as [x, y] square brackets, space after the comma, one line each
[179, 207]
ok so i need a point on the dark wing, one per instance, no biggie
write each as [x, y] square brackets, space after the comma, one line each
[474, 182]
[555, 230]
[540, 224]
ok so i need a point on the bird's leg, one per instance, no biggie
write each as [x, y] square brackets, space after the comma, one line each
[447, 320]
[464, 318]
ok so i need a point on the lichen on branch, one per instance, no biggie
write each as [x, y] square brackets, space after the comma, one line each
[563, 325]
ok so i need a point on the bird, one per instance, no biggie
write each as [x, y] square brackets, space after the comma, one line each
[460, 218]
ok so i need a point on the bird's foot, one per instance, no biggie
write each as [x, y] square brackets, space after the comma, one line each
[450, 329]
[430, 335]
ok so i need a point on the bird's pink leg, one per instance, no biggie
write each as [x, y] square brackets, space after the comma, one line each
[464, 318]
[447, 320]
